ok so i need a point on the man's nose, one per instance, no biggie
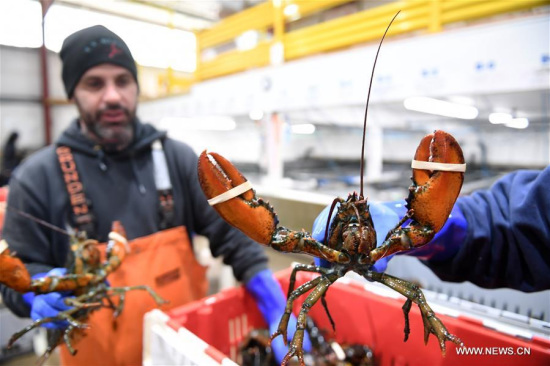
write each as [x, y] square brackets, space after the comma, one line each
[112, 94]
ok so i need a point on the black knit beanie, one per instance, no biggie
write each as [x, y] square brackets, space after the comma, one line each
[89, 47]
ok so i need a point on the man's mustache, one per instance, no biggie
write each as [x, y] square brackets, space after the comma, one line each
[113, 108]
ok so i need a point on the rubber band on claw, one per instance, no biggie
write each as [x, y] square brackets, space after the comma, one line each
[232, 193]
[430, 165]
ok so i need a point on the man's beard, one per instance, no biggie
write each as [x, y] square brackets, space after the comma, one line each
[112, 137]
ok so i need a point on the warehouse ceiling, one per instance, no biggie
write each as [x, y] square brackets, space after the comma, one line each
[187, 15]
[196, 15]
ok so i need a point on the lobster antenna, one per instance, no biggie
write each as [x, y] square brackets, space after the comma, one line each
[40, 221]
[367, 105]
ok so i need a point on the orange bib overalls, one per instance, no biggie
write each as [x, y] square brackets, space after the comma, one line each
[164, 261]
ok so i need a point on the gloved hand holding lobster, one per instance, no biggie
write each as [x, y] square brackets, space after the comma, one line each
[49, 305]
[445, 243]
[384, 220]
[63, 299]
[386, 215]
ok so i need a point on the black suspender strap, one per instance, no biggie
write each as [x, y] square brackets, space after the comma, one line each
[81, 207]
[164, 186]
[84, 218]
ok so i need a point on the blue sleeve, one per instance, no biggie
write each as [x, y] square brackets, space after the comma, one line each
[508, 240]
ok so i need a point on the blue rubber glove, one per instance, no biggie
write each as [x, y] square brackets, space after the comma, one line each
[48, 305]
[383, 217]
[271, 301]
[446, 242]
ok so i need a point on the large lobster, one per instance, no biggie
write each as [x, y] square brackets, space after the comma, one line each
[86, 278]
[350, 241]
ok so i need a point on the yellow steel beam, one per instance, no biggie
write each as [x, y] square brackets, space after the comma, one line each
[258, 17]
[354, 38]
[341, 32]
[308, 7]
[235, 61]
[173, 83]
[360, 27]
[435, 16]
[345, 21]
[278, 22]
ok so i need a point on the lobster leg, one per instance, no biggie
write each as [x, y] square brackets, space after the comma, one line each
[67, 338]
[309, 268]
[431, 195]
[65, 315]
[413, 293]
[304, 268]
[285, 318]
[123, 290]
[320, 286]
[252, 215]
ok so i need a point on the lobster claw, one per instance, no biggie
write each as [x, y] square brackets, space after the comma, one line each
[248, 213]
[13, 272]
[434, 192]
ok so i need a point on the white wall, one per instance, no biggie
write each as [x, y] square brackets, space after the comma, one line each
[20, 92]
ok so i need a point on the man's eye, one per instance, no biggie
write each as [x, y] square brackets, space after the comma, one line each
[123, 80]
[94, 83]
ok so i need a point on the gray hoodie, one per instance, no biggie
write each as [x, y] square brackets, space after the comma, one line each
[120, 186]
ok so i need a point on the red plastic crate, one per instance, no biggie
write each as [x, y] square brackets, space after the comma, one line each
[361, 316]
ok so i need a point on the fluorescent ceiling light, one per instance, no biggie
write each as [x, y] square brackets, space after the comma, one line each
[440, 107]
[303, 129]
[247, 40]
[518, 123]
[292, 11]
[508, 120]
[206, 123]
[500, 118]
